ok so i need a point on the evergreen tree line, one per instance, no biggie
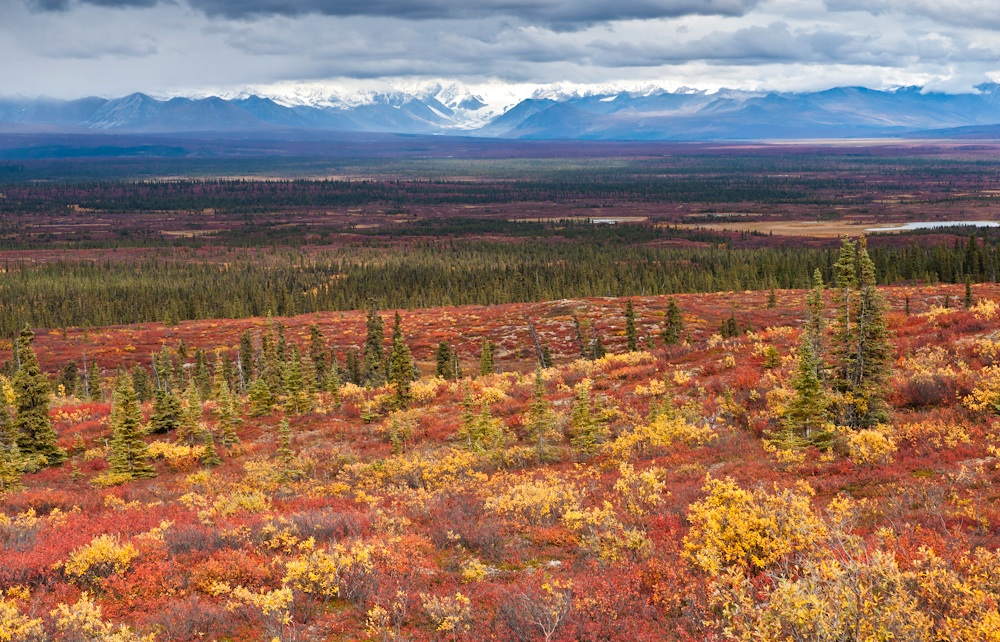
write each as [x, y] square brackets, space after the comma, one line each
[66, 294]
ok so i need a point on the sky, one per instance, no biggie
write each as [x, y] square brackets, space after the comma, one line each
[75, 48]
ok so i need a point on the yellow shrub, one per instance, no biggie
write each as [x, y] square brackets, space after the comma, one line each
[83, 621]
[936, 312]
[492, 395]
[424, 391]
[662, 432]
[473, 570]
[934, 433]
[21, 527]
[535, 501]
[640, 492]
[14, 625]
[430, 471]
[603, 535]
[104, 556]
[755, 529]
[985, 309]
[681, 377]
[340, 572]
[871, 447]
[448, 614]
[7, 396]
[351, 391]
[109, 479]
[177, 456]
[985, 396]
[253, 501]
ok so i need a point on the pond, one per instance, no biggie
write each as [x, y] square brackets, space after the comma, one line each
[930, 225]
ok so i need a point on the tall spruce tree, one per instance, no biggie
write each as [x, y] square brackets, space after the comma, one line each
[581, 341]
[70, 378]
[143, 386]
[374, 352]
[94, 390]
[631, 333]
[673, 324]
[815, 329]
[35, 435]
[129, 453]
[586, 431]
[244, 364]
[11, 462]
[861, 346]
[442, 357]
[541, 420]
[319, 354]
[401, 368]
[298, 398]
[166, 412]
[806, 419]
[487, 366]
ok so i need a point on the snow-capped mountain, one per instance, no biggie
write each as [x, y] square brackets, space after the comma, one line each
[562, 111]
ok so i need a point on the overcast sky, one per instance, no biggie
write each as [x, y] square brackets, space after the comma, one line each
[72, 48]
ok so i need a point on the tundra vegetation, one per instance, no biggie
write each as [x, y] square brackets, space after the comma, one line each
[816, 458]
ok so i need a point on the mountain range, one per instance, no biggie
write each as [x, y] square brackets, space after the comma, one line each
[548, 114]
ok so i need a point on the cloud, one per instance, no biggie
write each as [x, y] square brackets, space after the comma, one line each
[963, 13]
[558, 13]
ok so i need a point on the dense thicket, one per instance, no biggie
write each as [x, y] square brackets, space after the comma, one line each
[431, 274]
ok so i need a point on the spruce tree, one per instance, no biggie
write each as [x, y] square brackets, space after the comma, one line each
[353, 367]
[245, 362]
[35, 435]
[874, 349]
[202, 377]
[586, 432]
[129, 453]
[333, 386]
[143, 386]
[673, 324]
[319, 355]
[285, 454]
[271, 364]
[581, 341]
[374, 351]
[597, 350]
[486, 358]
[816, 324]
[261, 398]
[70, 378]
[94, 382]
[166, 412]
[228, 415]
[209, 456]
[298, 398]
[772, 300]
[806, 418]
[968, 293]
[191, 409]
[482, 432]
[541, 420]
[861, 348]
[442, 357]
[401, 366]
[631, 333]
[11, 462]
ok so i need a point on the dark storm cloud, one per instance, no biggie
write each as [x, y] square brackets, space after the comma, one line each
[555, 12]
[65, 5]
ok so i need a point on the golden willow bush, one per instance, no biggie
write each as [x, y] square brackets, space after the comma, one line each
[732, 527]
[103, 557]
